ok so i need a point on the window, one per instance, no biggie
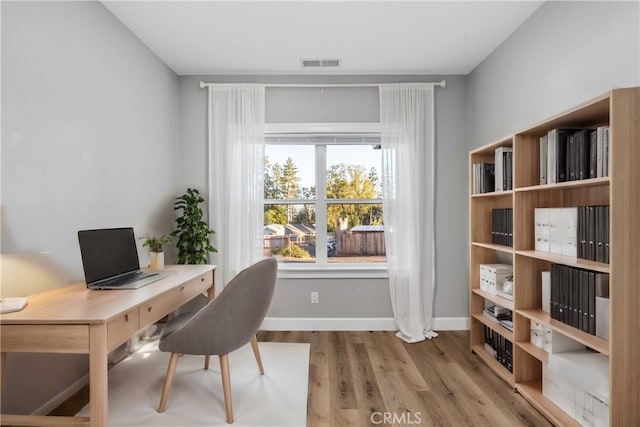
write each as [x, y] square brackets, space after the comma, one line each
[323, 197]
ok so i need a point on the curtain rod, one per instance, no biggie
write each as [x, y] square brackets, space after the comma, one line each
[441, 83]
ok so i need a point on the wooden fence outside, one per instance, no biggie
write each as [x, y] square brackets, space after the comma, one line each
[361, 243]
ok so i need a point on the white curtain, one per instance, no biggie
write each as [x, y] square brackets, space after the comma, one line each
[407, 139]
[236, 174]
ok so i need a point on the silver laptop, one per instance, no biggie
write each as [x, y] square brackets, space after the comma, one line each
[110, 260]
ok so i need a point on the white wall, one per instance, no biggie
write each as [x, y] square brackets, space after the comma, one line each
[89, 137]
[354, 298]
[565, 54]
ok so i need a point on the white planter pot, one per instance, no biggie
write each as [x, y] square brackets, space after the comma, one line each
[157, 261]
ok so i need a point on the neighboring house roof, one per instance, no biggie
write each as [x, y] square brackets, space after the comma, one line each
[299, 229]
[288, 229]
[368, 228]
[274, 229]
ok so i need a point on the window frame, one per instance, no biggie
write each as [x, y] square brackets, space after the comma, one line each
[321, 267]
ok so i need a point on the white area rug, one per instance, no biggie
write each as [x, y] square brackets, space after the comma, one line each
[279, 398]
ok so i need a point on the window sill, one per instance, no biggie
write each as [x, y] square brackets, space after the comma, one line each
[333, 271]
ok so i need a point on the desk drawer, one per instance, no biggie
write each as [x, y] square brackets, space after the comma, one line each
[45, 338]
[158, 307]
[122, 328]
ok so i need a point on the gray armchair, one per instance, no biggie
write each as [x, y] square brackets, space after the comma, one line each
[225, 324]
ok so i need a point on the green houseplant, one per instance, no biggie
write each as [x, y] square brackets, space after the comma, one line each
[155, 245]
[193, 233]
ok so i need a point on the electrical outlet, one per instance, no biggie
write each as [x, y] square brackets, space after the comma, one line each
[314, 297]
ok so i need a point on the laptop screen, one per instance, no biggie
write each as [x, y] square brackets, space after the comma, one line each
[108, 252]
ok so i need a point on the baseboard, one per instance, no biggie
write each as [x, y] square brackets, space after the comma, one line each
[451, 323]
[354, 324]
[62, 397]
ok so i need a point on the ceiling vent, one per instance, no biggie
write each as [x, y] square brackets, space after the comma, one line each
[320, 63]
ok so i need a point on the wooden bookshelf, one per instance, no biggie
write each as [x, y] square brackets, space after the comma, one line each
[592, 182]
[496, 299]
[500, 370]
[532, 391]
[534, 350]
[481, 318]
[493, 246]
[483, 251]
[620, 110]
[566, 260]
[577, 335]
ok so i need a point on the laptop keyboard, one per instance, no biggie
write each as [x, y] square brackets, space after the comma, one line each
[124, 280]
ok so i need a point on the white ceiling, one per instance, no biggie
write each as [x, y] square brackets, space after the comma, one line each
[370, 37]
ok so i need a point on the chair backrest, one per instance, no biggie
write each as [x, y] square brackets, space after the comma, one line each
[230, 320]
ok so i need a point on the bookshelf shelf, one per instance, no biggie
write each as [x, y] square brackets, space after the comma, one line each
[500, 370]
[506, 193]
[589, 340]
[584, 183]
[494, 325]
[567, 260]
[494, 247]
[532, 391]
[533, 350]
[618, 109]
[496, 299]
[591, 113]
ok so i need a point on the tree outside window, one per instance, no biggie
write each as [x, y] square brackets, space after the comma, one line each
[351, 207]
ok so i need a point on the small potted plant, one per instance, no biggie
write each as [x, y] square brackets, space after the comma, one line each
[155, 245]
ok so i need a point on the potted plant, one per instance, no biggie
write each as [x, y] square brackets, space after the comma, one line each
[193, 233]
[155, 245]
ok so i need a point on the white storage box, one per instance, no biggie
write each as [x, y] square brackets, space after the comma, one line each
[546, 291]
[578, 383]
[556, 230]
[558, 390]
[541, 220]
[555, 342]
[504, 288]
[586, 370]
[568, 229]
[602, 318]
[491, 274]
[537, 334]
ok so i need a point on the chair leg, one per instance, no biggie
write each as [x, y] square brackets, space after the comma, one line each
[256, 353]
[206, 361]
[173, 362]
[226, 386]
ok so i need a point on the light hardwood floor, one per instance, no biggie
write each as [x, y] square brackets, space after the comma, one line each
[357, 377]
[367, 378]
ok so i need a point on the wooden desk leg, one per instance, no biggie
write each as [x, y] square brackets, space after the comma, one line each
[3, 362]
[98, 378]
